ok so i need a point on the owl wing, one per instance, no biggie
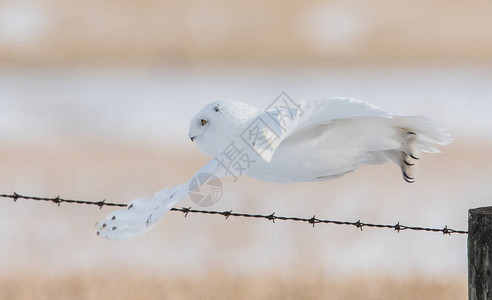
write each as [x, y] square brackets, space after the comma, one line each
[141, 214]
[277, 125]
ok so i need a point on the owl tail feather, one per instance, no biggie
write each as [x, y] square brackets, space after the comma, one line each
[417, 135]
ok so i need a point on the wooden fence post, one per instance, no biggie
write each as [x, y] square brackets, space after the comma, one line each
[480, 253]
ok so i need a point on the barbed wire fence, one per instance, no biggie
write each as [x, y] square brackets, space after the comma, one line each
[271, 217]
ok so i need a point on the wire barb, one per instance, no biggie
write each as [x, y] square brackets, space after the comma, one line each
[227, 214]
[186, 211]
[398, 227]
[271, 217]
[358, 224]
[313, 220]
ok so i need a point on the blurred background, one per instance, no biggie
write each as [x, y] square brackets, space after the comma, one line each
[95, 99]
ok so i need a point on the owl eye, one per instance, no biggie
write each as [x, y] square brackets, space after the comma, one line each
[203, 122]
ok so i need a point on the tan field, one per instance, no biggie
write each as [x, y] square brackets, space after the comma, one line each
[160, 33]
[225, 286]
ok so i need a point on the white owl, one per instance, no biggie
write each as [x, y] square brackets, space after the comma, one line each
[313, 141]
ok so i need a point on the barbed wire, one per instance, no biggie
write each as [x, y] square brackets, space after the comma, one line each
[272, 217]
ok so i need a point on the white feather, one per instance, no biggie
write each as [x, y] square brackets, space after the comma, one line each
[140, 215]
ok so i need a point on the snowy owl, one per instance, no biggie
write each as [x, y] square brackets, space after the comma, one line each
[312, 141]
